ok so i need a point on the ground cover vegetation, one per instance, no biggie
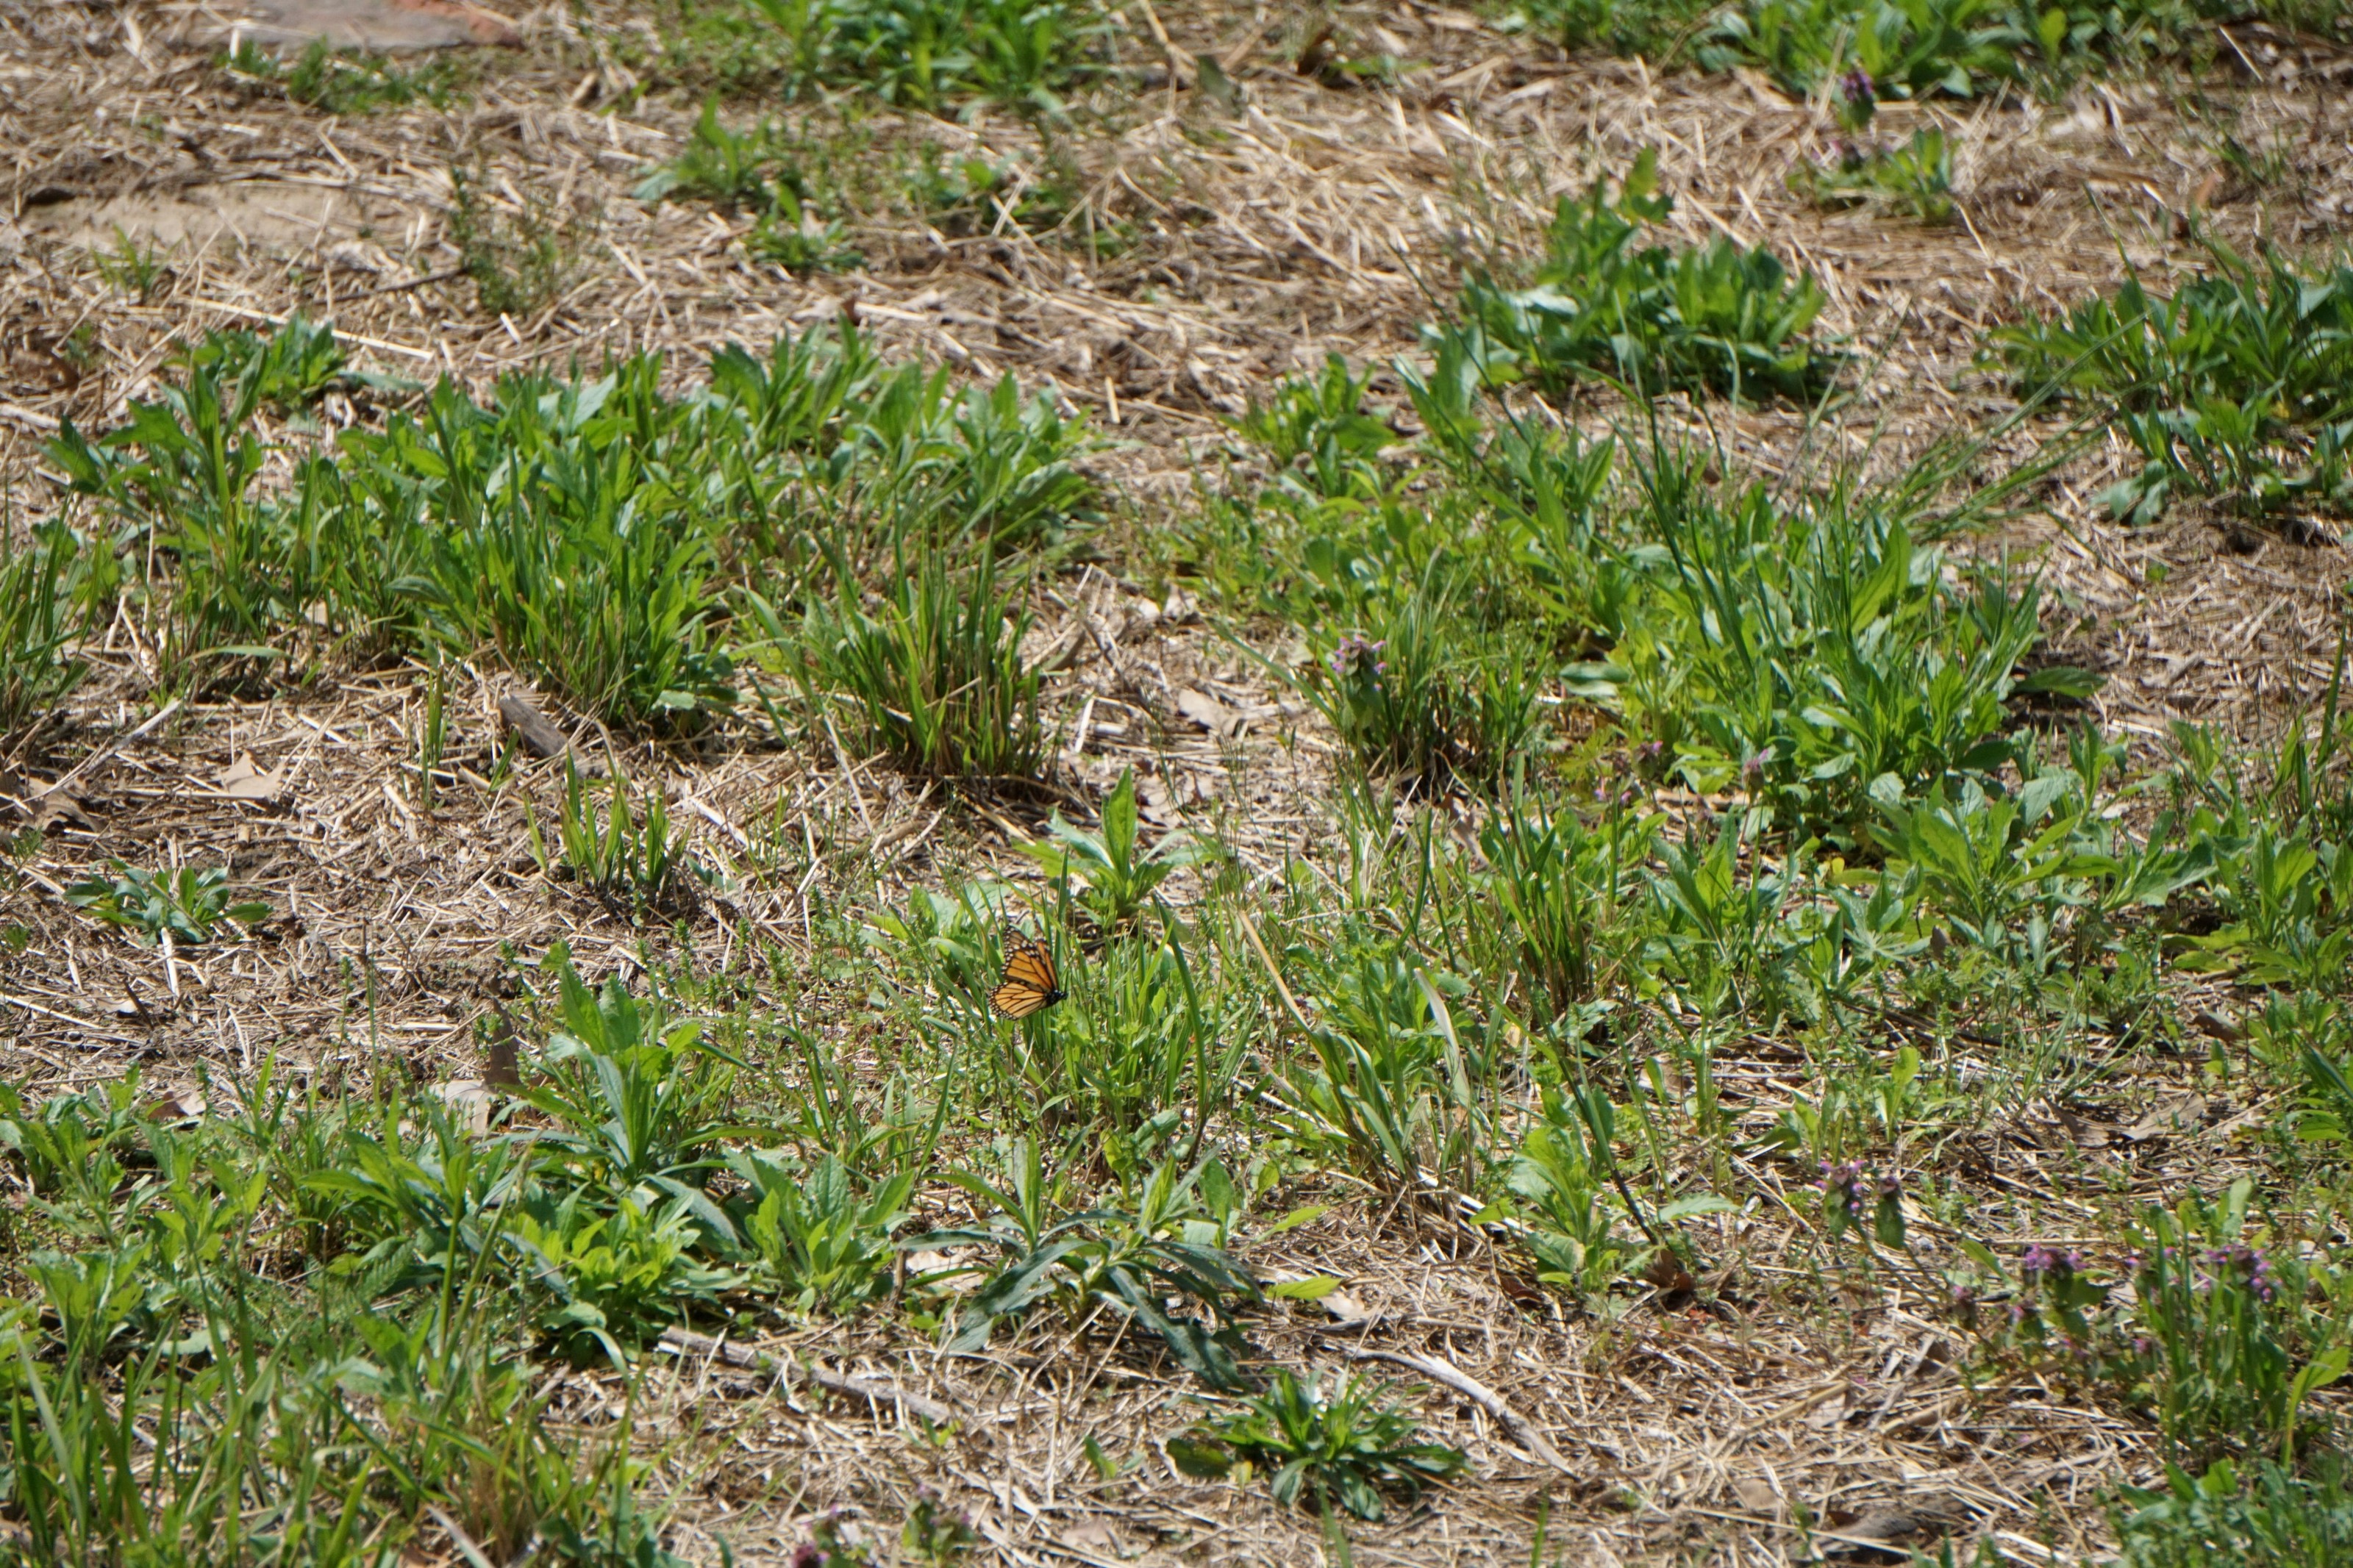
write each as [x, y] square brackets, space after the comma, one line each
[1648, 968]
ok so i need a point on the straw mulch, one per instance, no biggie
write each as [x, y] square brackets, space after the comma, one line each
[1268, 229]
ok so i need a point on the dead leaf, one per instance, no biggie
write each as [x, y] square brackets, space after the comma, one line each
[2214, 1025]
[2085, 1135]
[922, 1263]
[470, 1100]
[242, 779]
[1346, 1309]
[503, 1070]
[1664, 1273]
[56, 806]
[2169, 1119]
[184, 1103]
[1180, 608]
[540, 737]
[43, 806]
[1757, 1495]
[1094, 1536]
[1207, 711]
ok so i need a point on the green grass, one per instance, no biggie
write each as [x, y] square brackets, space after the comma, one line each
[347, 81]
[37, 627]
[1904, 49]
[927, 55]
[933, 672]
[589, 532]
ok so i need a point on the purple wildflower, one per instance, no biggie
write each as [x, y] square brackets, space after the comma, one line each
[1355, 654]
[2038, 1262]
[1845, 1185]
[1859, 88]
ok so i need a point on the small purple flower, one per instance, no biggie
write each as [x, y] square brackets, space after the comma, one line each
[1845, 1185]
[2248, 1262]
[1355, 654]
[1859, 88]
[2040, 1262]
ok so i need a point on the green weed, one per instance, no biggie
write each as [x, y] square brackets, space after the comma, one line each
[188, 903]
[759, 172]
[1566, 1172]
[1914, 176]
[928, 54]
[1122, 1052]
[1659, 30]
[521, 262]
[131, 268]
[290, 369]
[824, 1246]
[638, 1100]
[612, 1276]
[1133, 1263]
[1800, 656]
[938, 1534]
[1342, 1448]
[568, 547]
[2231, 1345]
[1117, 880]
[580, 527]
[1555, 891]
[2265, 1515]
[1316, 435]
[2234, 386]
[1656, 318]
[1389, 1090]
[1417, 705]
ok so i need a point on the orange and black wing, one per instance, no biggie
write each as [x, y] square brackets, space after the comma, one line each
[1029, 984]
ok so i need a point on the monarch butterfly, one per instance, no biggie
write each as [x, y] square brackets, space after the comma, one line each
[1029, 984]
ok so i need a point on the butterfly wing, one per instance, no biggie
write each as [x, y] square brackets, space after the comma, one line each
[1029, 983]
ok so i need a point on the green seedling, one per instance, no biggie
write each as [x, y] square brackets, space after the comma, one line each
[1344, 1448]
[188, 905]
